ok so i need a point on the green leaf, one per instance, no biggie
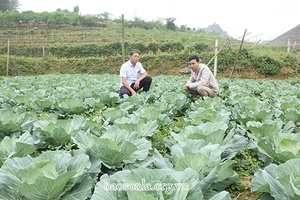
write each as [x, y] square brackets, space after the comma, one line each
[23, 149]
[268, 148]
[290, 145]
[42, 104]
[142, 127]
[110, 153]
[81, 190]
[9, 171]
[75, 124]
[46, 188]
[265, 129]
[281, 182]
[12, 147]
[196, 161]
[221, 196]
[71, 106]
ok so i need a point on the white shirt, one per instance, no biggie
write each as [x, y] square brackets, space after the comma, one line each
[132, 73]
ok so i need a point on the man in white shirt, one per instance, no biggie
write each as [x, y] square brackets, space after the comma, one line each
[202, 81]
[133, 76]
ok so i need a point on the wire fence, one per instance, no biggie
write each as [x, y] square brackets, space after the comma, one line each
[36, 39]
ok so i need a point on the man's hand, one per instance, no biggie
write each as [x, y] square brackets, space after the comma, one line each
[133, 92]
[186, 87]
[136, 85]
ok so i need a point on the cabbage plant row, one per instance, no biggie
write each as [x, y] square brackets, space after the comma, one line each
[72, 137]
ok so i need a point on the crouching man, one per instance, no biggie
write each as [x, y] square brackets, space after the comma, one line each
[202, 81]
[133, 76]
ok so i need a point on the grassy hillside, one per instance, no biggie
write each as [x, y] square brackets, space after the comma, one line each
[292, 36]
[98, 50]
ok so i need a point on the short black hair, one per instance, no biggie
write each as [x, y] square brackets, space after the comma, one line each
[133, 52]
[194, 57]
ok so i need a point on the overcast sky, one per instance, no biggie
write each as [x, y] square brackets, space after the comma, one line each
[263, 19]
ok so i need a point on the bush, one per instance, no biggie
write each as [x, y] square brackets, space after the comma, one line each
[153, 46]
[21, 66]
[171, 47]
[291, 60]
[201, 46]
[267, 64]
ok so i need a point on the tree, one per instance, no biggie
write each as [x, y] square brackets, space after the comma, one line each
[76, 9]
[105, 16]
[170, 24]
[9, 5]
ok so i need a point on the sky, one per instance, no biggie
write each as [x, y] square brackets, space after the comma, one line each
[261, 19]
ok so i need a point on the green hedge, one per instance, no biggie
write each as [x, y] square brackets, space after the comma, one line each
[269, 62]
[92, 58]
[93, 65]
[91, 50]
[22, 66]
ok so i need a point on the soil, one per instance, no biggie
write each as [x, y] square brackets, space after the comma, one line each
[246, 194]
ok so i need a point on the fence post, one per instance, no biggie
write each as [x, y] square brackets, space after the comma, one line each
[294, 46]
[7, 59]
[123, 51]
[216, 58]
[255, 44]
[237, 55]
[216, 53]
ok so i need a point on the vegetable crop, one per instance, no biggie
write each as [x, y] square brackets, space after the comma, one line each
[73, 137]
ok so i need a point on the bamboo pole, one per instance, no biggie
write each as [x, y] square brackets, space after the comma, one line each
[123, 48]
[7, 59]
[216, 58]
[216, 54]
[294, 46]
[255, 44]
[237, 55]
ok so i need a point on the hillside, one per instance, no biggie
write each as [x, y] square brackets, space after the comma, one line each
[215, 28]
[98, 50]
[292, 35]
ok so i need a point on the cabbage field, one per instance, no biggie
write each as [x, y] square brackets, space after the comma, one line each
[72, 137]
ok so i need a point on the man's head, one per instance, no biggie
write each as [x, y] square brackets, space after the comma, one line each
[134, 57]
[194, 62]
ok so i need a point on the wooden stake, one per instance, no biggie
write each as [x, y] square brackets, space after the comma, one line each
[237, 55]
[255, 44]
[7, 59]
[123, 48]
[216, 58]
[217, 53]
[294, 46]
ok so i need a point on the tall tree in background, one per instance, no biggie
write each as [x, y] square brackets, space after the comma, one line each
[9, 5]
[76, 9]
[170, 24]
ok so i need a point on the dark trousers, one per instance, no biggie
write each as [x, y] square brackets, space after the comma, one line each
[145, 84]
